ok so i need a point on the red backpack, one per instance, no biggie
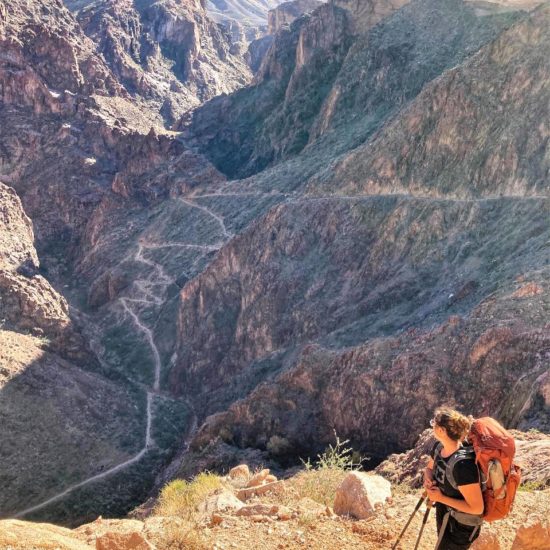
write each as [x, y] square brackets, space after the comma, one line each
[494, 450]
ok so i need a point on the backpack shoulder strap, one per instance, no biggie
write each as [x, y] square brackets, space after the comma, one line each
[464, 453]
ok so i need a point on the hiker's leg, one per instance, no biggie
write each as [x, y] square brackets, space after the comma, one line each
[457, 536]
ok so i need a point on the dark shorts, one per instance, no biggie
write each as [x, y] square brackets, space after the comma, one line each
[457, 536]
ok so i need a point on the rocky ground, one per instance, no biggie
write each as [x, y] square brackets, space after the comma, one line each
[305, 510]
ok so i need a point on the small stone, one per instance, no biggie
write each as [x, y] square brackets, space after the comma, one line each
[216, 519]
[259, 478]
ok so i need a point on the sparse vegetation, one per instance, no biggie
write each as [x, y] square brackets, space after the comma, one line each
[185, 536]
[180, 498]
[319, 485]
[336, 457]
[530, 486]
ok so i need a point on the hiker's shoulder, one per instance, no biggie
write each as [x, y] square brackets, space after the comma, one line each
[465, 469]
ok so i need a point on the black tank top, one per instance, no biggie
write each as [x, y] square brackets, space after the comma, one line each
[465, 472]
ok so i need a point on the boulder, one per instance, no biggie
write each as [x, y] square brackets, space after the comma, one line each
[534, 534]
[239, 472]
[122, 541]
[223, 501]
[359, 494]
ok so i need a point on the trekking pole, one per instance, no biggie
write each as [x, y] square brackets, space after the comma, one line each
[418, 505]
[426, 514]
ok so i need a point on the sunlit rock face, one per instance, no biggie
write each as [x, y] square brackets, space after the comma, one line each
[325, 79]
[168, 53]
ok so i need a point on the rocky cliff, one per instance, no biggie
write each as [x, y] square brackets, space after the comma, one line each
[410, 305]
[323, 76]
[249, 130]
[287, 12]
[170, 54]
[433, 149]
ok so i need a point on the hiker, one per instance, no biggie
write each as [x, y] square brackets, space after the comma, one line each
[458, 511]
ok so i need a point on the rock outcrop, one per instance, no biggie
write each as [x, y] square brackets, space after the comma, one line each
[27, 300]
[359, 495]
[324, 77]
[491, 88]
[168, 53]
[287, 12]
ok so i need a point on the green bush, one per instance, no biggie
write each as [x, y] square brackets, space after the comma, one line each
[181, 498]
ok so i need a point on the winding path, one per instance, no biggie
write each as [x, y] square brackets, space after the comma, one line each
[219, 219]
[148, 296]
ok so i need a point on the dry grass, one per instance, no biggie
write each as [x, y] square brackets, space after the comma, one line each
[318, 485]
[180, 498]
[183, 537]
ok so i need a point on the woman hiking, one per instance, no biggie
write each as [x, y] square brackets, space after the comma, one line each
[452, 481]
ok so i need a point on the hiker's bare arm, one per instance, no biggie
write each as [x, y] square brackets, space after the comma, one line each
[429, 474]
[472, 503]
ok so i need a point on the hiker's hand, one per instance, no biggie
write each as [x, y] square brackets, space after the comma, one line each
[434, 494]
[429, 483]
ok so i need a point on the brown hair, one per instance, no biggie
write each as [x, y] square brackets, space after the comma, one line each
[456, 424]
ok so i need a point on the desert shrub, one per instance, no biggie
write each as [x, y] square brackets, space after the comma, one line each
[336, 457]
[530, 486]
[181, 498]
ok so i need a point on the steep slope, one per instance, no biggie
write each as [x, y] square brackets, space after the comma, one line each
[165, 52]
[340, 272]
[58, 418]
[325, 75]
[27, 300]
[78, 153]
[242, 133]
[434, 149]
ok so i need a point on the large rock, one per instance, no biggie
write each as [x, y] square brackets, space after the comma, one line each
[359, 493]
[22, 535]
[534, 534]
[224, 501]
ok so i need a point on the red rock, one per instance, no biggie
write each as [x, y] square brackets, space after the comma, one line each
[534, 534]
[248, 492]
[258, 478]
[486, 541]
[122, 541]
[241, 471]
